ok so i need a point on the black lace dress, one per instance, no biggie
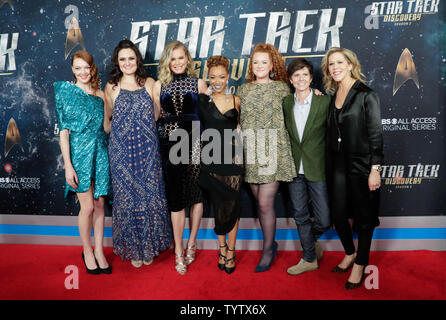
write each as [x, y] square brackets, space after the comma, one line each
[221, 174]
[179, 135]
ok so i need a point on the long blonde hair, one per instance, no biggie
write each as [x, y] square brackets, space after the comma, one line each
[279, 69]
[164, 72]
[329, 83]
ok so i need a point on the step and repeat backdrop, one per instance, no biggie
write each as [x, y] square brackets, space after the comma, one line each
[400, 44]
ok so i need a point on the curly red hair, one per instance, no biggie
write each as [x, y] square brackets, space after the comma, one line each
[279, 69]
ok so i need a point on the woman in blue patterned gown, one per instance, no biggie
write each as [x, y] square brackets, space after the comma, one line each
[141, 227]
[176, 98]
[83, 142]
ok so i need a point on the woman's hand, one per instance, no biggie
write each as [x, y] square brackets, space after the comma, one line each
[71, 177]
[374, 180]
[208, 91]
[202, 86]
[317, 92]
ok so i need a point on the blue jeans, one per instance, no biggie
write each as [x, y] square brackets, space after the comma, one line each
[309, 229]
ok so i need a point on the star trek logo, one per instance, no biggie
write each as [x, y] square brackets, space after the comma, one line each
[405, 176]
[403, 13]
[405, 70]
[2, 2]
[12, 137]
[74, 37]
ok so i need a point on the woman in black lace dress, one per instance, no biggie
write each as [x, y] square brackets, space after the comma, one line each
[221, 175]
[176, 99]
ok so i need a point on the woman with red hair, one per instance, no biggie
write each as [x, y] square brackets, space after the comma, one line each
[267, 148]
[83, 142]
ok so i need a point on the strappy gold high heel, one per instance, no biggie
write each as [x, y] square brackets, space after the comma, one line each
[221, 266]
[190, 257]
[179, 265]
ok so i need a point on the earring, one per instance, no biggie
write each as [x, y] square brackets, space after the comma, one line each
[210, 93]
[271, 75]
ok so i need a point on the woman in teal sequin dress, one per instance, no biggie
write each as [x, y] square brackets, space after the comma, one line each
[83, 142]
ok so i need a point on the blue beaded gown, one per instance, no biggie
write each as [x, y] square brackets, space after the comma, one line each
[179, 108]
[141, 224]
[83, 114]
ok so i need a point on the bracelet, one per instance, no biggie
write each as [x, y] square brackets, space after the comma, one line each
[377, 168]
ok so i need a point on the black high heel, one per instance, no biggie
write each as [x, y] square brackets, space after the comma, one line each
[260, 268]
[91, 271]
[227, 269]
[338, 269]
[351, 285]
[107, 270]
[221, 266]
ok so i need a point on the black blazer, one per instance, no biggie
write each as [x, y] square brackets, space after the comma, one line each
[360, 129]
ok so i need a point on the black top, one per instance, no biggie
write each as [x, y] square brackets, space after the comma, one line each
[221, 177]
[359, 127]
[214, 159]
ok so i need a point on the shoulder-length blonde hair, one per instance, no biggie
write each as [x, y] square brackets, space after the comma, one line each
[329, 83]
[88, 58]
[279, 69]
[164, 72]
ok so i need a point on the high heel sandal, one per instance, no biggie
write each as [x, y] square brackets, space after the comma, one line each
[179, 265]
[231, 269]
[147, 262]
[91, 271]
[190, 257]
[136, 263]
[261, 268]
[221, 266]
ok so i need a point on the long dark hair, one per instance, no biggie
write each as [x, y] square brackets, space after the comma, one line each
[116, 74]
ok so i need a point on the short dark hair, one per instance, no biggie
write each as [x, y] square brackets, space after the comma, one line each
[298, 64]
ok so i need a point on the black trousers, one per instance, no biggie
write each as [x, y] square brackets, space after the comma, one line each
[351, 198]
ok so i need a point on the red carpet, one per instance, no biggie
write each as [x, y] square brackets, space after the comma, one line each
[37, 272]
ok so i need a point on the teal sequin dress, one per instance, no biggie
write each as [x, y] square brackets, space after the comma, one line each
[82, 114]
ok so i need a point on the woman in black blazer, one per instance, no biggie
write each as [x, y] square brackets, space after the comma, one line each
[354, 158]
